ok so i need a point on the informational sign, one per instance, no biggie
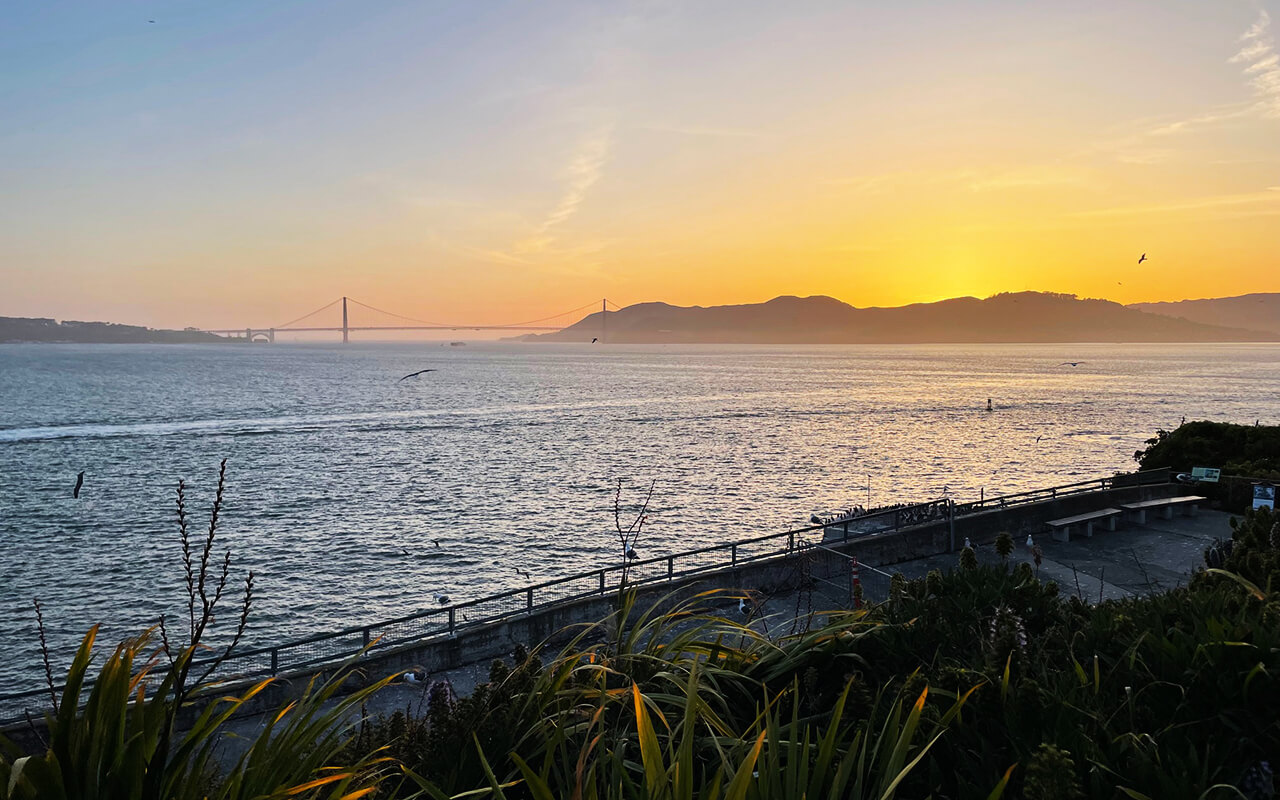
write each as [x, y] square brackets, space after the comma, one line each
[1206, 474]
[1264, 495]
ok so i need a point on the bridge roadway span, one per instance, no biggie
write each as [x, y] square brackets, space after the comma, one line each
[269, 334]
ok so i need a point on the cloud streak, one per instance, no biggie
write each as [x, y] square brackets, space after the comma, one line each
[584, 170]
[1262, 69]
[1262, 65]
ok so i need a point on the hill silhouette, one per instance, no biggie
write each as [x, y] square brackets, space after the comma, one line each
[1009, 317]
[1259, 312]
[41, 329]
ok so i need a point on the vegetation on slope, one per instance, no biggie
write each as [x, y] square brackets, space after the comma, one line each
[978, 682]
[1252, 450]
[983, 681]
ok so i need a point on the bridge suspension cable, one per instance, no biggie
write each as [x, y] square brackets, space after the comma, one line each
[448, 325]
[311, 314]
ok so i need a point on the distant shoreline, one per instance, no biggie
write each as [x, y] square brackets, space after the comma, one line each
[41, 330]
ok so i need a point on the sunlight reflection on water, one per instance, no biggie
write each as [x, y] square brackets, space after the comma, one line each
[508, 453]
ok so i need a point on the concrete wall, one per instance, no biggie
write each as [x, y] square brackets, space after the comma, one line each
[556, 625]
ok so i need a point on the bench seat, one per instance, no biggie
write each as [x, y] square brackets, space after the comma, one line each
[1191, 503]
[1061, 528]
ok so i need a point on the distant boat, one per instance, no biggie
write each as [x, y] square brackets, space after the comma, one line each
[457, 344]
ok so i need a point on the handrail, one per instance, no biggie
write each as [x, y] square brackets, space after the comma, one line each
[448, 623]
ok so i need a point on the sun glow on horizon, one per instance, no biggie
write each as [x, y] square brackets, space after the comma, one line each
[226, 166]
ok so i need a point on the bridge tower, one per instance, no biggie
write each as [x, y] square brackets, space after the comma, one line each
[345, 329]
[604, 319]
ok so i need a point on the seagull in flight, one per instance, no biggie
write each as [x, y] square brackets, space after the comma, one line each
[594, 340]
[1071, 363]
[413, 374]
[1144, 258]
[75, 493]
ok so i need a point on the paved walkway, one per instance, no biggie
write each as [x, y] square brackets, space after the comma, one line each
[1135, 559]
[1132, 560]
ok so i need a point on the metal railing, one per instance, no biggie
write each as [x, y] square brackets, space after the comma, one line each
[338, 646]
[1145, 478]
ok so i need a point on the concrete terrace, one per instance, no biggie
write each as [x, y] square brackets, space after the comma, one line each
[1158, 555]
[1135, 559]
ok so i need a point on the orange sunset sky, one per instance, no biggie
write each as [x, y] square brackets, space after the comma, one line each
[236, 163]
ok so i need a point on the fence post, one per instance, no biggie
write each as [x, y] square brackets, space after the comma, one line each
[275, 661]
[451, 620]
[528, 599]
[601, 581]
[733, 555]
[365, 634]
[951, 526]
[846, 530]
[855, 583]
[791, 541]
[671, 567]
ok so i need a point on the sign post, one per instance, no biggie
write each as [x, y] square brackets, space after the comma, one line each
[1264, 495]
[1205, 474]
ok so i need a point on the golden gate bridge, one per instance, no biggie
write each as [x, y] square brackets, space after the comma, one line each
[295, 326]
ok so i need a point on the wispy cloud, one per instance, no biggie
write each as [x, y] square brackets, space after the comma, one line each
[975, 180]
[1197, 204]
[584, 170]
[1262, 64]
[1032, 178]
[1262, 69]
[871, 184]
[700, 130]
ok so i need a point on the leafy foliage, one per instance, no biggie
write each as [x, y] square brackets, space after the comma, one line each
[1235, 449]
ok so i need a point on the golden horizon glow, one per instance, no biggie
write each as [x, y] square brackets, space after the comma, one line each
[490, 166]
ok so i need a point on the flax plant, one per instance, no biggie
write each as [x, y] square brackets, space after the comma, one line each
[126, 738]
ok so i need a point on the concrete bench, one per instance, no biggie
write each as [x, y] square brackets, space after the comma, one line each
[1191, 503]
[1061, 528]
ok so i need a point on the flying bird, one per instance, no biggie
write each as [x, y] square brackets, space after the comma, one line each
[1071, 363]
[1144, 258]
[402, 550]
[413, 374]
[594, 340]
[79, 482]
[1038, 438]
[436, 542]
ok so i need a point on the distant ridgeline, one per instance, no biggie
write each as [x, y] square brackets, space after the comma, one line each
[35, 329]
[1008, 317]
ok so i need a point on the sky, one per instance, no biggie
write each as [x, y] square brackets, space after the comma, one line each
[234, 163]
